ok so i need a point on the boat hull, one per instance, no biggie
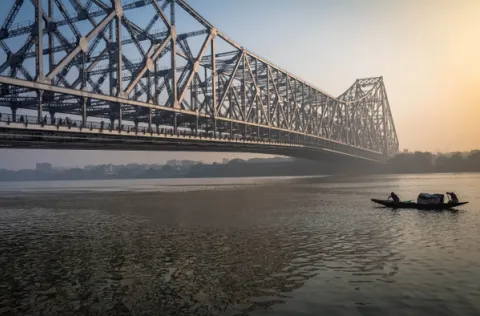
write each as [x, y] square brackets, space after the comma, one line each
[441, 206]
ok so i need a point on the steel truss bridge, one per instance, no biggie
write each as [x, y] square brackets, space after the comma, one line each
[155, 75]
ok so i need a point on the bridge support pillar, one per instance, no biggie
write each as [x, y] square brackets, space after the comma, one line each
[196, 125]
[150, 120]
[119, 116]
[175, 123]
[112, 123]
[84, 112]
[52, 117]
[14, 114]
[214, 123]
[40, 106]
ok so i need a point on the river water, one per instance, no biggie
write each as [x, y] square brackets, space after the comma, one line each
[265, 246]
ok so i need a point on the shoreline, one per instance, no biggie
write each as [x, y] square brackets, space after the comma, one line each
[242, 177]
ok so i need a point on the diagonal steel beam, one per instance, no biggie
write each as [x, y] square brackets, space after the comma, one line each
[257, 89]
[148, 64]
[195, 67]
[131, 31]
[232, 77]
[102, 5]
[161, 14]
[67, 18]
[81, 46]
[12, 14]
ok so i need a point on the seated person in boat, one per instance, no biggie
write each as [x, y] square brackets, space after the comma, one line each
[394, 197]
[453, 197]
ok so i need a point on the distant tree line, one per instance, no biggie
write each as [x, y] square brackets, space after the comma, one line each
[426, 162]
[234, 168]
[417, 162]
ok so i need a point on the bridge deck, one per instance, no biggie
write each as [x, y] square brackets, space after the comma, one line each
[32, 135]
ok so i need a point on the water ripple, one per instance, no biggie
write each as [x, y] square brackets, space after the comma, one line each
[276, 249]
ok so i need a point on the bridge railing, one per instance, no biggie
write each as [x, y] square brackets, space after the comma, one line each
[128, 127]
[67, 124]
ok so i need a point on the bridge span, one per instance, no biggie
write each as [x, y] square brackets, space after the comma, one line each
[155, 75]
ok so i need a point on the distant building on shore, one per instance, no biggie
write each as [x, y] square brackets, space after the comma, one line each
[181, 163]
[44, 167]
[108, 169]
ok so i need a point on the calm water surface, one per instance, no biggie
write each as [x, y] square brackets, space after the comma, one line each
[288, 246]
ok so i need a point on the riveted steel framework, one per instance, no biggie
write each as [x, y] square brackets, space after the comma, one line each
[159, 63]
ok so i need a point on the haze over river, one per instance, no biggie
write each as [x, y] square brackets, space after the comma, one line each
[264, 246]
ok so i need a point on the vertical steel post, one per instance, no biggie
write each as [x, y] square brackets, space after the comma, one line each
[40, 106]
[196, 124]
[244, 93]
[39, 56]
[83, 71]
[84, 112]
[385, 126]
[287, 103]
[149, 86]
[52, 117]
[120, 114]
[269, 116]
[295, 107]
[51, 60]
[175, 123]
[173, 60]
[39, 51]
[304, 114]
[279, 104]
[155, 82]
[119, 54]
[205, 73]
[14, 114]
[257, 93]
[191, 94]
[150, 120]
[118, 38]
[214, 81]
[230, 113]
[111, 60]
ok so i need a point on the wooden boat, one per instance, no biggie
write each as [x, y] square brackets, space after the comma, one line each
[439, 206]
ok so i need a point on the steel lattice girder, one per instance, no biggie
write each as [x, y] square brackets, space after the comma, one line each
[120, 68]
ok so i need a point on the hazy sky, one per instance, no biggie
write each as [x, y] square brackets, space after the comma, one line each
[428, 53]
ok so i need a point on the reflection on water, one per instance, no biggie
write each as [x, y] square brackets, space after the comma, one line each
[297, 247]
[139, 185]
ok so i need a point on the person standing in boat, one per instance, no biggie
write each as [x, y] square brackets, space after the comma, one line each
[394, 197]
[453, 197]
